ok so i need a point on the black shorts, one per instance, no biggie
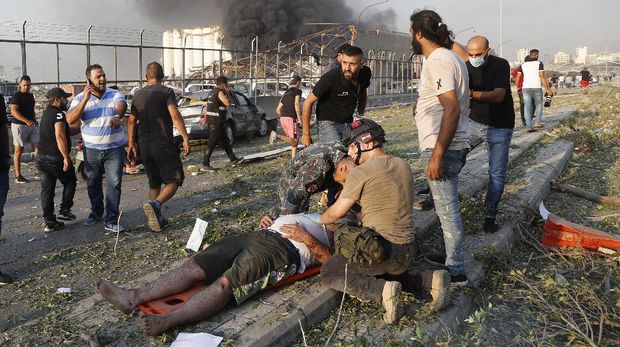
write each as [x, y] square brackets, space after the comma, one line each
[162, 163]
[250, 262]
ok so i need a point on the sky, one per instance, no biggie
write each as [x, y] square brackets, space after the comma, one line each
[549, 25]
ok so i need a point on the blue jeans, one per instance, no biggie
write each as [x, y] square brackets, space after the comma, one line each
[330, 131]
[446, 197]
[498, 148]
[4, 191]
[96, 163]
[533, 99]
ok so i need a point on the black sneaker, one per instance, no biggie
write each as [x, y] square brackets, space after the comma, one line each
[53, 226]
[458, 280]
[424, 205]
[66, 215]
[21, 179]
[436, 259]
[5, 279]
[489, 225]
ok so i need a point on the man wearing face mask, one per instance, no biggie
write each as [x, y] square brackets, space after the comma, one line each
[493, 116]
[53, 160]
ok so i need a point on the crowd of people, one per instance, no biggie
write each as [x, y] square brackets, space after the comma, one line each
[366, 234]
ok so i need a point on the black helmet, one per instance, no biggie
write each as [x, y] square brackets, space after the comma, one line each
[363, 130]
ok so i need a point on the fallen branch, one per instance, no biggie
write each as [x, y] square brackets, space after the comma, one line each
[599, 199]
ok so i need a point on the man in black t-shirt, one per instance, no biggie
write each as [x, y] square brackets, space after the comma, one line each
[53, 160]
[155, 112]
[289, 114]
[585, 80]
[24, 128]
[336, 95]
[492, 113]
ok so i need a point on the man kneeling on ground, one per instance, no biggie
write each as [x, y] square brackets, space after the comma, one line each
[385, 244]
[235, 266]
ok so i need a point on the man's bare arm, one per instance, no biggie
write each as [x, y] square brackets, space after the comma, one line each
[74, 115]
[449, 124]
[178, 122]
[224, 98]
[298, 233]
[545, 82]
[297, 107]
[336, 211]
[494, 96]
[305, 119]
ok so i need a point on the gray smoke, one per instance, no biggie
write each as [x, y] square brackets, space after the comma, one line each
[271, 20]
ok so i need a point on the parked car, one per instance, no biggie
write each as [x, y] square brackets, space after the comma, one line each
[243, 118]
[197, 87]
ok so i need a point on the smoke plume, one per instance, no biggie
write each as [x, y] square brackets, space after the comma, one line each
[270, 20]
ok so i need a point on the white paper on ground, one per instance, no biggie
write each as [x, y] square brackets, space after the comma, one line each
[196, 340]
[195, 239]
[64, 290]
[543, 211]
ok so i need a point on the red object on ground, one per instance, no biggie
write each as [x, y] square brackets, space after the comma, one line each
[176, 301]
[562, 233]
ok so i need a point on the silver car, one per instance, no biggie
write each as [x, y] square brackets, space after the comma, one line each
[242, 118]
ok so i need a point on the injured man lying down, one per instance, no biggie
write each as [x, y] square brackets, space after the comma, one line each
[232, 267]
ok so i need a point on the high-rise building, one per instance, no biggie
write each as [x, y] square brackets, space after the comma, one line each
[581, 55]
[522, 53]
[561, 58]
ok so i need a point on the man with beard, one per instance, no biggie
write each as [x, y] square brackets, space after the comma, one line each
[99, 110]
[493, 115]
[53, 160]
[336, 96]
[441, 116]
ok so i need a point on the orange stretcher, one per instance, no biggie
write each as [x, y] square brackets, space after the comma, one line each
[176, 301]
[560, 232]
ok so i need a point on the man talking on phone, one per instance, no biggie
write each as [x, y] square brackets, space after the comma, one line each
[99, 110]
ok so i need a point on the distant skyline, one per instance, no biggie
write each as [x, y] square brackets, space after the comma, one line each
[547, 25]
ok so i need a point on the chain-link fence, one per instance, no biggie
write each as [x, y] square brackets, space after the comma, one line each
[58, 55]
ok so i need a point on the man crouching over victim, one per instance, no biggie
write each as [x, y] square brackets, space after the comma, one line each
[235, 266]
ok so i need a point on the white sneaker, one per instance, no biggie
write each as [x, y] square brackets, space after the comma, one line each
[391, 302]
[272, 137]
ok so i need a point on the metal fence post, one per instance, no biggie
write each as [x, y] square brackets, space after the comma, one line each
[301, 59]
[115, 64]
[24, 65]
[88, 45]
[278, 66]
[183, 64]
[57, 65]
[256, 67]
[221, 70]
[252, 89]
[140, 56]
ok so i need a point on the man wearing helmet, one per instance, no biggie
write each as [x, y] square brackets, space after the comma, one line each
[383, 186]
[314, 169]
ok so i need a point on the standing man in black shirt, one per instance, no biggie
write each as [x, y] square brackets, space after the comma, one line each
[585, 80]
[24, 128]
[336, 96]
[289, 114]
[53, 160]
[215, 117]
[492, 113]
[155, 111]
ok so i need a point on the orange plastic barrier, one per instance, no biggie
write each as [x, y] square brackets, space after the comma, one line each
[176, 301]
[562, 233]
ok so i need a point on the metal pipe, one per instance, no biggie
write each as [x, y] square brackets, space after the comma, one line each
[87, 45]
[57, 65]
[141, 56]
[278, 66]
[116, 67]
[183, 64]
[24, 64]
[301, 57]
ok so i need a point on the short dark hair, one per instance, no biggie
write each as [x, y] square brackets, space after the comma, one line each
[221, 80]
[92, 67]
[431, 26]
[353, 51]
[528, 58]
[155, 70]
[25, 78]
[534, 51]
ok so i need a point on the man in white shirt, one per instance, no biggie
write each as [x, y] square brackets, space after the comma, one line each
[534, 81]
[441, 116]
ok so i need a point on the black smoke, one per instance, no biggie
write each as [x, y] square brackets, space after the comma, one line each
[270, 20]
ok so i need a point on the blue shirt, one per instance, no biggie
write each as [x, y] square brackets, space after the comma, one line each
[97, 131]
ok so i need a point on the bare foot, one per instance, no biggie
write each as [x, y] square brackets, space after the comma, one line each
[121, 298]
[153, 324]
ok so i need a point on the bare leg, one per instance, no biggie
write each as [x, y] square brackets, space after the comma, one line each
[174, 282]
[17, 156]
[153, 193]
[202, 305]
[167, 192]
